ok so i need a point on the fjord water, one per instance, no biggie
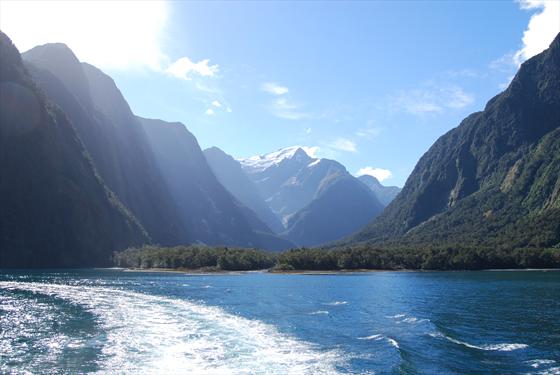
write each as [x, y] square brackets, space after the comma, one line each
[109, 321]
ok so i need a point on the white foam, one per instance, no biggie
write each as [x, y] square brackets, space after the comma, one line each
[336, 303]
[403, 318]
[414, 320]
[536, 363]
[320, 312]
[372, 337]
[393, 342]
[152, 334]
[505, 347]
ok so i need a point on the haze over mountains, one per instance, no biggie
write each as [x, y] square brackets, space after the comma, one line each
[82, 176]
[155, 168]
[312, 200]
[111, 135]
[55, 208]
[150, 172]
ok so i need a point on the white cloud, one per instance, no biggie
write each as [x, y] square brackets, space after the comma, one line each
[432, 100]
[217, 104]
[114, 34]
[455, 97]
[311, 150]
[184, 68]
[308, 131]
[274, 89]
[542, 29]
[379, 173]
[286, 109]
[370, 132]
[228, 110]
[342, 144]
[210, 112]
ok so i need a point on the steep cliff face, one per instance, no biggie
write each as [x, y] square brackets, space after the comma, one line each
[212, 214]
[492, 180]
[317, 199]
[231, 175]
[55, 209]
[341, 208]
[112, 136]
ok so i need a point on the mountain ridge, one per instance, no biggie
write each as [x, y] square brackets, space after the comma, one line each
[56, 210]
[494, 179]
[111, 135]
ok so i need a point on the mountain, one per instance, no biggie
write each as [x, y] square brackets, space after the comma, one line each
[385, 194]
[112, 136]
[492, 181]
[235, 180]
[289, 178]
[55, 209]
[341, 207]
[317, 199]
[212, 214]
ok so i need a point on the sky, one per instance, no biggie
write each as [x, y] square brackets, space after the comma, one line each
[370, 84]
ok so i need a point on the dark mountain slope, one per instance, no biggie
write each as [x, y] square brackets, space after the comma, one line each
[289, 179]
[341, 208]
[385, 194]
[212, 214]
[55, 209]
[495, 179]
[112, 136]
[233, 178]
[317, 199]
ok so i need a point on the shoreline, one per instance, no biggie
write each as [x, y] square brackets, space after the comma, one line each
[211, 272]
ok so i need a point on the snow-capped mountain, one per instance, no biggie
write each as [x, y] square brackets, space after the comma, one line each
[230, 174]
[307, 192]
[289, 179]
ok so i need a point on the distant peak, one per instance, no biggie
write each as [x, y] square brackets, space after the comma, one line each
[264, 161]
[213, 150]
[369, 180]
[59, 49]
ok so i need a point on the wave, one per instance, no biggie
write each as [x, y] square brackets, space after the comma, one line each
[153, 334]
[505, 347]
[336, 303]
[319, 312]
[393, 342]
[413, 319]
[536, 363]
[403, 318]
[372, 337]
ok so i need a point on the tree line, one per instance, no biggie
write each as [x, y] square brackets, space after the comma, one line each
[356, 257]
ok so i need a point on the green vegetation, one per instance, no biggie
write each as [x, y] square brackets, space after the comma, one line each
[492, 182]
[195, 257]
[349, 258]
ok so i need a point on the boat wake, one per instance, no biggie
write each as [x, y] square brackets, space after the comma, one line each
[163, 335]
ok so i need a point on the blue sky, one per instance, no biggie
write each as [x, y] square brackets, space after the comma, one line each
[371, 84]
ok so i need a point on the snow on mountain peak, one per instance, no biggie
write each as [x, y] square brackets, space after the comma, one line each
[259, 163]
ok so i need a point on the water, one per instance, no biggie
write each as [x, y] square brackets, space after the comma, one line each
[108, 321]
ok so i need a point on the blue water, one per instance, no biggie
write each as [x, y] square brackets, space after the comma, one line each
[108, 321]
